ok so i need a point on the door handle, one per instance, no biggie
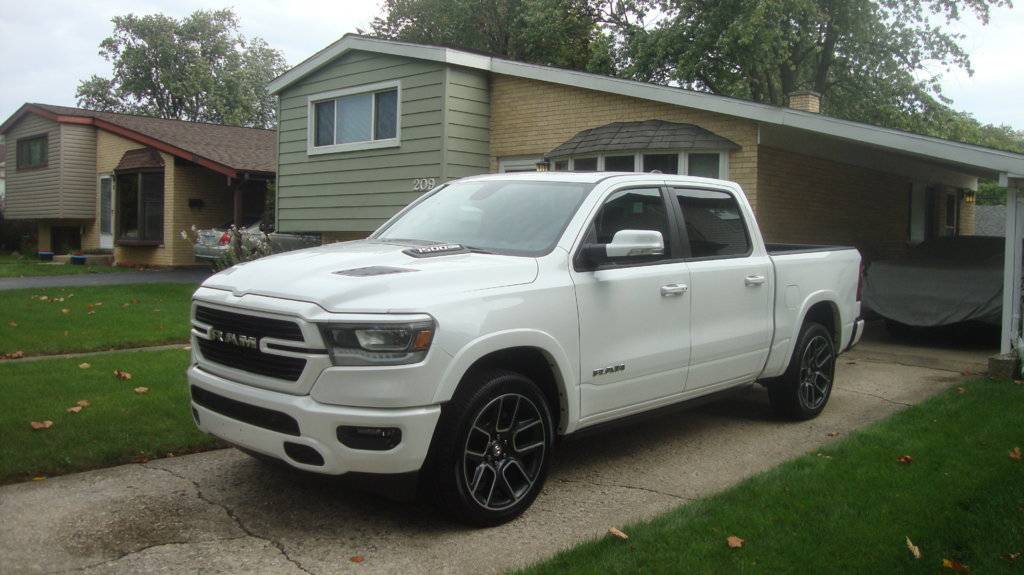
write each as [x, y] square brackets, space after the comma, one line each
[669, 290]
[753, 280]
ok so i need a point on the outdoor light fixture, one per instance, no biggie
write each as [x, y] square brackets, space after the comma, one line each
[542, 166]
[969, 197]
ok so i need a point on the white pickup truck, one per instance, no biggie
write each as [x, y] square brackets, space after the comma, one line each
[499, 312]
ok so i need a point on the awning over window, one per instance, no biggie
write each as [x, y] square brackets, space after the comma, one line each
[646, 135]
[140, 159]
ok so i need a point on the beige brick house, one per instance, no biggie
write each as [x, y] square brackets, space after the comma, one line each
[449, 113]
[128, 185]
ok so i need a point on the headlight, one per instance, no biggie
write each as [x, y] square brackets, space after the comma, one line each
[379, 344]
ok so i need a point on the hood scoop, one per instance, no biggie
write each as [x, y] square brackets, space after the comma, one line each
[373, 271]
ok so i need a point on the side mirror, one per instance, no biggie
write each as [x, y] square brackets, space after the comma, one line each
[631, 243]
[625, 244]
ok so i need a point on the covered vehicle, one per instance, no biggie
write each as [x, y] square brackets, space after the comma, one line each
[943, 281]
[212, 244]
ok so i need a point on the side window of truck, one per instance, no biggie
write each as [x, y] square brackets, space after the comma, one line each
[714, 223]
[632, 209]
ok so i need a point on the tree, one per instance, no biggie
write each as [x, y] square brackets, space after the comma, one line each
[872, 60]
[199, 68]
[561, 33]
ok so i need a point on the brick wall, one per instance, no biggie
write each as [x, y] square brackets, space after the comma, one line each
[529, 117]
[810, 200]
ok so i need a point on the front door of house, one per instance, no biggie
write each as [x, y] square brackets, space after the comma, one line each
[106, 213]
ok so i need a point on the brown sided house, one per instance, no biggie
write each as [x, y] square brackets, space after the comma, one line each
[128, 185]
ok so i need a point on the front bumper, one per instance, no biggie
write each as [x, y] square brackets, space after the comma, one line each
[317, 428]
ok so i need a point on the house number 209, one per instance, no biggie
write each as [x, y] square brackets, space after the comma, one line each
[423, 184]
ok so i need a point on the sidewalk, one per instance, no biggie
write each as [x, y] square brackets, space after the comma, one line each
[138, 277]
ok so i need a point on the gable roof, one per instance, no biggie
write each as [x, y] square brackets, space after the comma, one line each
[646, 135]
[988, 159]
[229, 150]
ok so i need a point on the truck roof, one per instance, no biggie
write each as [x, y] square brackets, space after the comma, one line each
[591, 177]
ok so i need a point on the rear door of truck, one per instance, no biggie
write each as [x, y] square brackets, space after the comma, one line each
[731, 286]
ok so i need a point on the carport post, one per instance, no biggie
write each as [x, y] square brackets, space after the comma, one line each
[1012, 262]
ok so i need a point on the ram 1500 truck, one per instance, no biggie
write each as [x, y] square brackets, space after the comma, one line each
[497, 313]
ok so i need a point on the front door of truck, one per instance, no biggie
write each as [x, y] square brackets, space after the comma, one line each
[633, 313]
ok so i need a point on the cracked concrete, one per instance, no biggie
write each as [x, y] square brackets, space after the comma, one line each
[222, 512]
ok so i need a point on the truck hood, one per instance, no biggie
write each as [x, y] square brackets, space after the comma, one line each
[372, 276]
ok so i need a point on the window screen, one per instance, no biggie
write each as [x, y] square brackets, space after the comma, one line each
[324, 123]
[631, 209]
[386, 110]
[584, 165]
[619, 164]
[703, 165]
[354, 119]
[664, 163]
[714, 224]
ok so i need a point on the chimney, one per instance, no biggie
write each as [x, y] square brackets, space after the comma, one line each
[805, 101]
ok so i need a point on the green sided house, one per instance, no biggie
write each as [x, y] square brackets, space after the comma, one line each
[368, 125]
[125, 185]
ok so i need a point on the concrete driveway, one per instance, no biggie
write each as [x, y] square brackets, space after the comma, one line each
[223, 512]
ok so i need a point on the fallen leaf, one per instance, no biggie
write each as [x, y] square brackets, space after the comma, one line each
[97, 304]
[1015, 454]
[617, 533]
[125, 305]
[43, 298]
[905, 459]
[74, 409]
[12, 323]
[955, 566]
[90, 313]
[120, 374]
[833, 434]
[135, 301]
[140, 458]
[65, 333]
[83, 402]
[966, 373]
[90, 307]
[13, 355]
[38, 478]
[187, 347]
[65, 311]
[914, 549]
[141, 390]
[157, 310]
[961, 390]
[357, 559]
[41, 424]
[735, 542]
[84, 365]
[1011, 557]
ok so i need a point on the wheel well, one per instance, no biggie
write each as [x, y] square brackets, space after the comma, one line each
[535, 364]
[827, 314]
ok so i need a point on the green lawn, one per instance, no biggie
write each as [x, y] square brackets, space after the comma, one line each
[850, 506]
[12, 266]
[118, 426]
[96, 318]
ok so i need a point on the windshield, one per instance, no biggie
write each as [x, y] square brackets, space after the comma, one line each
[518, 217]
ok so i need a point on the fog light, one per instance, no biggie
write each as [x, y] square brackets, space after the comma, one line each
[369, 438]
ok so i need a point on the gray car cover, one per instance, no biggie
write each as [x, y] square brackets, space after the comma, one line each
[940, 282]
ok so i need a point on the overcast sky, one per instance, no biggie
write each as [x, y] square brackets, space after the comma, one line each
[46, 47]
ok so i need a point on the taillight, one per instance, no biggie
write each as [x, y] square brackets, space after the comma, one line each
[860, 282]
[225, 239]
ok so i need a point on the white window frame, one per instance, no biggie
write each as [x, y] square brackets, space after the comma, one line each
[313, 100]
[638, 160]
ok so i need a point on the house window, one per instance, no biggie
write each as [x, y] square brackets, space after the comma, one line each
[354, 119]
[140, 208]
[620, 163]
[703, 165]
[33, 152]
[561, 166]
[584, 165]
[664, 163]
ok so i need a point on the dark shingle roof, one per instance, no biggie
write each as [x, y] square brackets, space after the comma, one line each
[140, 158]
[243, 149]
[646, 135]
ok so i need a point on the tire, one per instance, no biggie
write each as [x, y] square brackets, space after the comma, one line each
[803, 391]
[482, 470]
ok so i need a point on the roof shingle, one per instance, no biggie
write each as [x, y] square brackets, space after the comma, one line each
[646, 135]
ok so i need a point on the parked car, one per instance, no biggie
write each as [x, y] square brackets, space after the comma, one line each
[499, 312]
[941, 282]
[212, 244]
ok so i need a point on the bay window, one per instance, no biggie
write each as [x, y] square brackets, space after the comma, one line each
[357, 118]
[709, 164]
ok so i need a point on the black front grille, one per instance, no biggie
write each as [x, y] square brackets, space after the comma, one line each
[251, 414]
[252, 360]
[249, 324]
